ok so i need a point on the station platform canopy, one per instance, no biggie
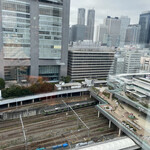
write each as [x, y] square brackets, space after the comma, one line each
[121, 143]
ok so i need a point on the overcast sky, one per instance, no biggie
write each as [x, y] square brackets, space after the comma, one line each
[103, 8]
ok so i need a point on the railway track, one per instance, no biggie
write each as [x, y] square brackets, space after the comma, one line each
[48, 130]
[39, 118]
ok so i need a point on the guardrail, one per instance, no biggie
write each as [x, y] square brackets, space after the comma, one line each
[139, 141]
[98, 97]
[132, 103]
[133, 136]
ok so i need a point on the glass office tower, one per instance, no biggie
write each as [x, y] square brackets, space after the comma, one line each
[145, 28]
[34, 36]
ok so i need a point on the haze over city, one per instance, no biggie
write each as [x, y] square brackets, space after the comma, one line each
[103, 8]
[74, 74]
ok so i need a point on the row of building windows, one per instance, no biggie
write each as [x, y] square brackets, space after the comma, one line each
[87, 61]
[92, 58]
[14, 20]
[16, 45]
[57, 2]
[12, 36]
[49, 42]
[22, 26]
[14, 14]
[15, 7]
[50, 28]
[50, 18]
[57, 12]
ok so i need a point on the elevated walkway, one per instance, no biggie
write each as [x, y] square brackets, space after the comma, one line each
[121, 127]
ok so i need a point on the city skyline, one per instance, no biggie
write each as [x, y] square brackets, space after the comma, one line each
[106, 8]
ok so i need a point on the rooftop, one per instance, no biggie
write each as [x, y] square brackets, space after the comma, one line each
[117, 143]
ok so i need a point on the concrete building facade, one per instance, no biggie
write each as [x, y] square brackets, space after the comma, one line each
[132, 61]
[145, 64]
[127, 61]
[102, 34]
[88, 62]
[113, 25]
[133, 34]
[119, 63]
[34, 38]
[78, 32]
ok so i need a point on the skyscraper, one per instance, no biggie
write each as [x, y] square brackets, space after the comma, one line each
[113, 25]
[90, 24]
[81, 16]
[145, 28]
[102, 34]
[125, 21]
[34, 38]
[132, 34]
[78, 32]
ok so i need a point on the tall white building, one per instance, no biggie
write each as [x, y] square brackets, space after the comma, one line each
[128, 60]
[132, 61]
[125, 21]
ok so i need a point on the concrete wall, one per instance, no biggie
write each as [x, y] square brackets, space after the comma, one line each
[23, 113]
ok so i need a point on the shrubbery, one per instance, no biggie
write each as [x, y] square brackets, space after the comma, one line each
[106, 94]
[18, 91]
[66, 79]
[2, 84]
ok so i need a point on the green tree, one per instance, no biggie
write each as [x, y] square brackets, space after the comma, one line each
[2, 84]
[66, 79]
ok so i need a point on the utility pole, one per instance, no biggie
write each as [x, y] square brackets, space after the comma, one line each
[24, 134]
[66, 106]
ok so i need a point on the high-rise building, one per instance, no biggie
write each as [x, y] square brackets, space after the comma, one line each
[90, 24]
[132, 34]
[113, 25]
[34, 38]
[145, 28]
[81, 16]
[78, 32]
[119, 63]
[125, 21]
[128, 60]
[132, 61]
[102, 34]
